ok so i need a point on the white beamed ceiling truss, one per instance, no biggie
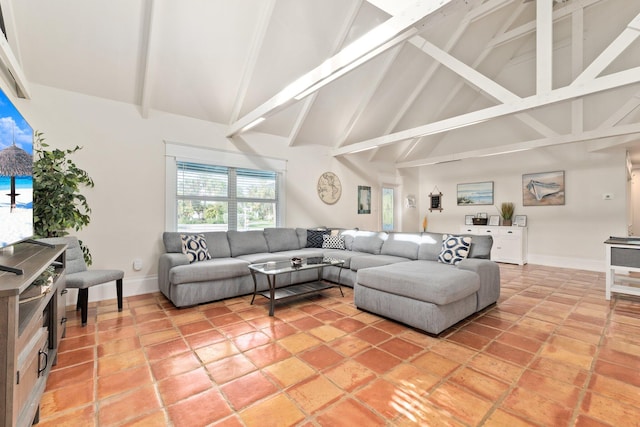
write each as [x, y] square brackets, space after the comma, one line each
[588, 82]
[403, 81]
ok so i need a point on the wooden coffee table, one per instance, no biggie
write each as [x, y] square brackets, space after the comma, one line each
[275, 268]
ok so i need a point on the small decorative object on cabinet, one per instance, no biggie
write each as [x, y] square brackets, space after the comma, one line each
[33, 309]
[520, 220]
[509, 243]
[506, 212]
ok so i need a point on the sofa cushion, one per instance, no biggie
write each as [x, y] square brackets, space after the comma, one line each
[247, 242]
[333, 242]
[428, 281]
[213, 269]
[369, 242]
[480, 246]
[454, 249]
[194, 246]
[218, 244]
[345, 255]
[314, 238]
[368, 260]
[404, 245]
[349, 236]
[281, 239]
[302, 237]
[430, 246]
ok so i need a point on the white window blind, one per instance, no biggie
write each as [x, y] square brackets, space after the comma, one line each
[213, 198]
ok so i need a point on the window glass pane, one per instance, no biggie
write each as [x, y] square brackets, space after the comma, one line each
[201, 215]
[256, 215]
[387, 209]
[254, 184]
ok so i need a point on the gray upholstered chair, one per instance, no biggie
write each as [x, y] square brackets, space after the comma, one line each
[80, 277]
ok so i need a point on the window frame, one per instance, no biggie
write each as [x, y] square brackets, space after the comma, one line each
[175, 153]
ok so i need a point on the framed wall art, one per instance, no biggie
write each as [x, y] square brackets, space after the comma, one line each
[543, 189]
[435, 200]
[364, 199]
[476, 193]
[520, 220]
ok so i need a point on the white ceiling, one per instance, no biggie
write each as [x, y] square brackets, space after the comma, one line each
[466, 76]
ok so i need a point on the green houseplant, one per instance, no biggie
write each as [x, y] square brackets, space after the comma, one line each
[58, 205]
[506, 212]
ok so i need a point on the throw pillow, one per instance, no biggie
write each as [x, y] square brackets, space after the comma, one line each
[332, 242]
[314, 238]
[454, 249]
[195, 247]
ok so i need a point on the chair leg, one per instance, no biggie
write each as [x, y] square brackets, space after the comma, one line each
[119, 292]
[83, 302]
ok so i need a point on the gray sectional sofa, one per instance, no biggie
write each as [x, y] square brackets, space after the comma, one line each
[396, 275]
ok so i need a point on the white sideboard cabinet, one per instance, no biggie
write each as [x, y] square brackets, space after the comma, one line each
[509, 243]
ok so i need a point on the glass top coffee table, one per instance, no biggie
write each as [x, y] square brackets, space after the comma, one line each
[275, 268]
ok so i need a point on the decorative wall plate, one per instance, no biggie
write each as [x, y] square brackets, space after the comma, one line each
[329, 188]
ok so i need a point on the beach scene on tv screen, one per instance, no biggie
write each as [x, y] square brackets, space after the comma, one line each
[16, 181]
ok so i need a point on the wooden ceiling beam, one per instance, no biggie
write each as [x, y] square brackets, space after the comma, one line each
[567, 93]
[340, 63]
[10, 55]
[252, 55]
[526, 145]
[148, 52]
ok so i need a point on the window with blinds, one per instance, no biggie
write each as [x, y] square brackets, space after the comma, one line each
[217, 198]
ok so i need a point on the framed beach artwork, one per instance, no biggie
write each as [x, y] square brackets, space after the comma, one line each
[364, 199]
[476, 193]
[543, 189]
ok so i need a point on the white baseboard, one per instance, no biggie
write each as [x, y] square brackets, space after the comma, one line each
[566, 262]
[130, 287]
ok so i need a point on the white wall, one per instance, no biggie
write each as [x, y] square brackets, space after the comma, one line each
[570, 235]
[124, 154]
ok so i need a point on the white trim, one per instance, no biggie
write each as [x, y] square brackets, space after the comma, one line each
[175, 151]
[223, 158]
[130, 287]
[566, 262]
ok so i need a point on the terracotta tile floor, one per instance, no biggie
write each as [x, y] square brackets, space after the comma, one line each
[552, 352]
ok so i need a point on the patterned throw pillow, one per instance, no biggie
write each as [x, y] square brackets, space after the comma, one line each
[454, 249]
[332, 242]
[314, 238]
[195, 247]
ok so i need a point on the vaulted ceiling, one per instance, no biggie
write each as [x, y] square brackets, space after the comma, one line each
[412, 82]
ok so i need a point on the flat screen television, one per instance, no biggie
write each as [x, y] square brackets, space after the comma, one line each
[16, 175]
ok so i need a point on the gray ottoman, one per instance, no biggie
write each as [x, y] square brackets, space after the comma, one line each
[424, 294]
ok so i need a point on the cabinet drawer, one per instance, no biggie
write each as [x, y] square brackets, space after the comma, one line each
[467, 229]
[510, 232]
